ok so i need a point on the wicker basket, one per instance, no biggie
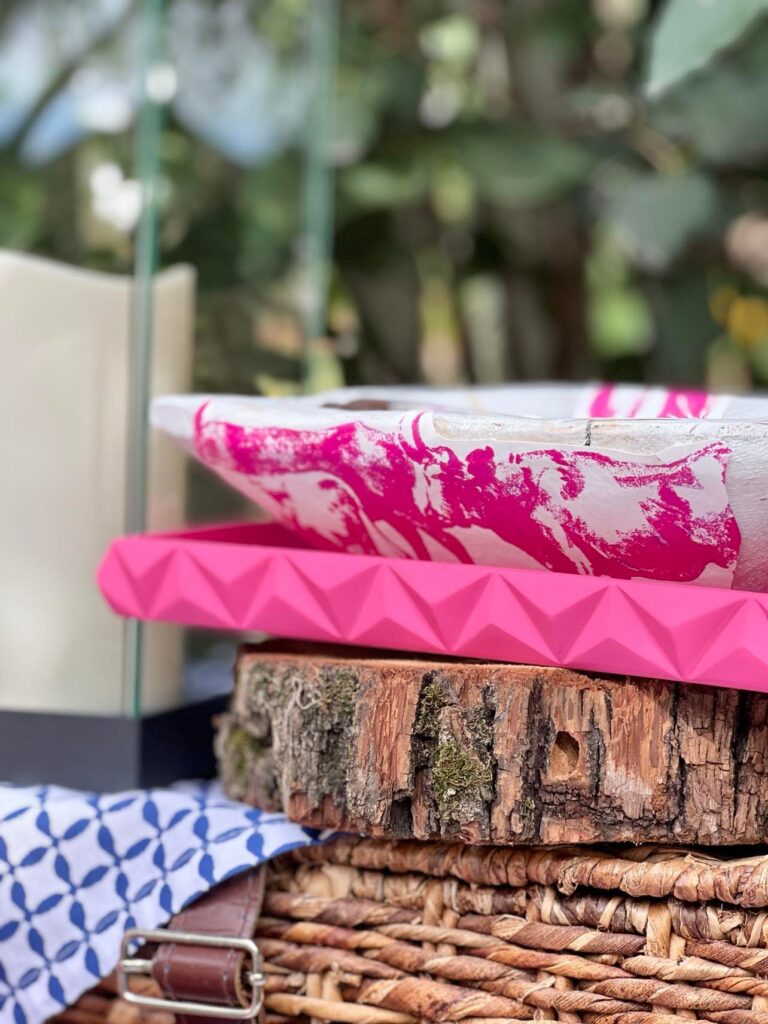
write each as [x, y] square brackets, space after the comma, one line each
[374, 932]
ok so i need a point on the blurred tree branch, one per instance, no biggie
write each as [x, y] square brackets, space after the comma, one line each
[66, 71]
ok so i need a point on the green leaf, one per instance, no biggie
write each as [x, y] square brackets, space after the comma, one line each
[620, 323]
[720, 113]
[381, 87]
[684, 325]
[22, 207]
[689, 33]
[268, 219]
[519, 167]
[385, 184]
[655, 217]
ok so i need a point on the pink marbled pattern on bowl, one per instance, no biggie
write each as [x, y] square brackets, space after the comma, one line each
[608, 401]
[398, 487]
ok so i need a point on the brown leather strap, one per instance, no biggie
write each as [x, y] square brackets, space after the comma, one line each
[204, 974]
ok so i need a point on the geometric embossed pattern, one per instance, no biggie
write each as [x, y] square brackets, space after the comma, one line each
[254, 577]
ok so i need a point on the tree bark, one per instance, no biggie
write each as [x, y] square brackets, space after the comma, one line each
[493, 753]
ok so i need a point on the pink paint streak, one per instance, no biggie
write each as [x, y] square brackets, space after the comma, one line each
[360, 488]
[610, 402]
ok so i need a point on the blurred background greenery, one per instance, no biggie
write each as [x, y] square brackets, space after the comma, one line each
[450, 191]
[441, 190]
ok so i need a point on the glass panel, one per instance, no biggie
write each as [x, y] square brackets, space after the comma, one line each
[246, 199]
[166, 218]
[68, 93]
[75, 328]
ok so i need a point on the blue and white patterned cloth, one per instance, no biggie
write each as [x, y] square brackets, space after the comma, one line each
[77, 869]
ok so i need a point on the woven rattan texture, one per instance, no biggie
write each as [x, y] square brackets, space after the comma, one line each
[402, 932]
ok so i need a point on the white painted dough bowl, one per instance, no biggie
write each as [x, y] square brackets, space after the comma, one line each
[597, 480]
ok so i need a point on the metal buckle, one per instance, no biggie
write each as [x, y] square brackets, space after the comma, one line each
[131, 965]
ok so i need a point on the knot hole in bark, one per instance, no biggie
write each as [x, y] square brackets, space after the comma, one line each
[564, 759]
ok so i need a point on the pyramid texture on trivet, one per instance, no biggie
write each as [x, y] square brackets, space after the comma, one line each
[247, 578]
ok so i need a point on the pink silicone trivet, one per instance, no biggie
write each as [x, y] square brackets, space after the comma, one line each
[253, 577]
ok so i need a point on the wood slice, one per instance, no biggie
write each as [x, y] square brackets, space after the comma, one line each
[492, 753]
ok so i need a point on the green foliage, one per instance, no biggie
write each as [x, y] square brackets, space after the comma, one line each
[620, 320]
[720, 115]
[620, 323]
[690, 33]
[542, 189]
[519, 165]
[385, 184]
[22, 201]
[656, 216]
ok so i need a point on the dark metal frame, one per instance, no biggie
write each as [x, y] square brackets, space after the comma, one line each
[108, 753]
